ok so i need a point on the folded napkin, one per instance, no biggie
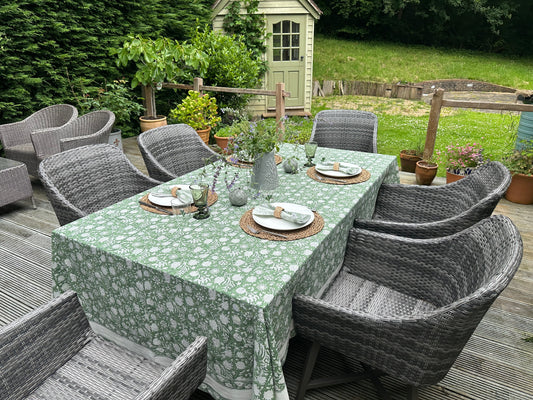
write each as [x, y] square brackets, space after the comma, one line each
[335, 166]
[268, 209]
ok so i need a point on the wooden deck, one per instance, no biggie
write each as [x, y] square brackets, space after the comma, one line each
[496, 364]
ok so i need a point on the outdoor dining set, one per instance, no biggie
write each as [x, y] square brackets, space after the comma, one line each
[162, 286]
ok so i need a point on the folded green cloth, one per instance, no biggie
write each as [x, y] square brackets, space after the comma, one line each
[266, 210]
[343, 167]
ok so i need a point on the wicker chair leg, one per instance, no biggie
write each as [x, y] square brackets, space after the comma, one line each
[374, 378]
[412, 393]
[309, 365]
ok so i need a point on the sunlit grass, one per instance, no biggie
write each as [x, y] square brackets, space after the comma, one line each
[388, 63]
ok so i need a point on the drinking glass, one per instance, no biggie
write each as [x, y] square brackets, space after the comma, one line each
[179, 207]
[199, 196]
[310, 150]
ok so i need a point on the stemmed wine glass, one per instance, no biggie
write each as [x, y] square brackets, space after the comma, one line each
[310, 150]
[199, 196]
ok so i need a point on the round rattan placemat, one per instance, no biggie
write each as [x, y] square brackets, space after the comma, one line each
[243, 164]
[317, 176]
[211, 199]
[312, 229]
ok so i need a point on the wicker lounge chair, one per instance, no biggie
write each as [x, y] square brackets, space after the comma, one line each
[16, 137]
[91, 128]
[174, 150]
[52, 353]
[346, 129]
[88, 178]
[432, 211]
[407, 307]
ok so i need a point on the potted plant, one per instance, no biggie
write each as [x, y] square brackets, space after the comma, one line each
[461, 160]
[425, 171]
[199, 111]
[224, 136]
[160, 60]
[520, 164]
[409, 157]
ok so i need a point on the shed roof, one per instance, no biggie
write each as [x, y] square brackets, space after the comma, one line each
[309, 5]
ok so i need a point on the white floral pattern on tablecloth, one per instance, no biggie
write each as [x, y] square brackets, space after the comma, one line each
[162, 280]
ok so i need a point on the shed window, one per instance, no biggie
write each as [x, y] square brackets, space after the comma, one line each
[286, 41]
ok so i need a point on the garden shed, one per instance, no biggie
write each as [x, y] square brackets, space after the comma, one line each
[290, 27]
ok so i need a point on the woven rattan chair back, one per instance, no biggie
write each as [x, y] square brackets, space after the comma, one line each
[346, 129]
[408, 307]
[174, 150]
[88, 178]
[16, 137]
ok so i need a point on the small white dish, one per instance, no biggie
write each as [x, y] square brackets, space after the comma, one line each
[167, 200]
[339, 174]
[271, 222]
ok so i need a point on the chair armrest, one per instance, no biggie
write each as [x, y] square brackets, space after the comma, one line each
[36, 345]
[182, 377]
[14, 134]
[46, 141]
[73, 142]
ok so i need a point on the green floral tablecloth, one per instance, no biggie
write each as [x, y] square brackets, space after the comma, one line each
[162, 280]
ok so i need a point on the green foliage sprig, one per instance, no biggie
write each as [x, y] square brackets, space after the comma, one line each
[255, 138]
[196, 110]
[520, 161]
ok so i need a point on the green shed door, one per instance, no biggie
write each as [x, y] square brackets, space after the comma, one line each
[286, 55]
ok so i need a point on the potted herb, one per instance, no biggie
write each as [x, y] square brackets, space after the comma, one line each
[409, 157]
[224, 136]
[461, 160]
[199, 111]
[160, 60]
[520, 164]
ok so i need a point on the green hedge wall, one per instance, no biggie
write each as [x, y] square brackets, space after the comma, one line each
[46, 44]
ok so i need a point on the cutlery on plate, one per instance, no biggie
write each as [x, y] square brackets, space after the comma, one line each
[161, 195]
[256, 231]
[328, 179]
[155, 207]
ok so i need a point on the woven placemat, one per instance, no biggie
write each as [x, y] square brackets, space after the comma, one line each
[312, 229]
[317, 176]
[211, 199]
[244, 164]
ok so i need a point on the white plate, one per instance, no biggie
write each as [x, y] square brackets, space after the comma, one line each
[280, 224]
[166, 201]
[339, 174]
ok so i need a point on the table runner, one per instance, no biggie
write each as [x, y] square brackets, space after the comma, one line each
[160, 281]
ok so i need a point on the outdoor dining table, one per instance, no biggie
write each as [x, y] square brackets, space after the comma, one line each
[158, 281]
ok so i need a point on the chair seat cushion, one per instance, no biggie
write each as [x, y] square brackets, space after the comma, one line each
[355, 293]
[101, 370]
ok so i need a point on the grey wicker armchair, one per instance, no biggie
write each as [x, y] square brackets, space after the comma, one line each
[16, 137]
[407, 307]
[52, 353]
[88, 178]
[91, 128]
[174, 150]
[346, 129]
[432, 211]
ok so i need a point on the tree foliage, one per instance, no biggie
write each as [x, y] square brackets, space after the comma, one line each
[491, 25]
[43, 40]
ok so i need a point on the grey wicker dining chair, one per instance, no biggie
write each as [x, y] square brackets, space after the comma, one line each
[86, 179]
[431, 211]
[346, 129]
[407, 307]
[90, 128]
[16, 136]
[52, 353]
[174, 150]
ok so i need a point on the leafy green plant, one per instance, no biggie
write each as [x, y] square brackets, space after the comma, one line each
[197, 110]
[160, 60]
[255, 138]
[520, 161]
[113, 96]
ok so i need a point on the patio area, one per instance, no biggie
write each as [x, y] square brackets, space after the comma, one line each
[497, 363]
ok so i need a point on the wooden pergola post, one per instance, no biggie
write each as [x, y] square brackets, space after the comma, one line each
[433, 124]
[280, 105]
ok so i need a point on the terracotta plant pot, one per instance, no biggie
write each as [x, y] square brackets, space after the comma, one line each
[425, 172]
[451, 177]
[150, 122]
[521, 189]
[204, 134]
[223, 142]
[408, 160]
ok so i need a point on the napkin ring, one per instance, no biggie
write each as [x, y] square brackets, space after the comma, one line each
[174, 191]
[277, 212]
[336, 166]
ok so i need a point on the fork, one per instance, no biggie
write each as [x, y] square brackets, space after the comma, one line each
[256, 231]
